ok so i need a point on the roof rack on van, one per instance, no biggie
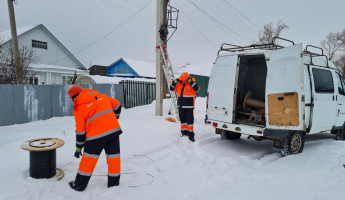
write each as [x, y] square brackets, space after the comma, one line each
[313, 54]
[236, 48]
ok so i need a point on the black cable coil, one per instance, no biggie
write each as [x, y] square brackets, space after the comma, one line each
[43, 164]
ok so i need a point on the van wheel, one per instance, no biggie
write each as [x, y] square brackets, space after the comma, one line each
[219, 131]
[339, 135]
[229, 135]
[293, 143]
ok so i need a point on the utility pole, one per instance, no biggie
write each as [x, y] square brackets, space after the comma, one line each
[15, 48]
[161, 14]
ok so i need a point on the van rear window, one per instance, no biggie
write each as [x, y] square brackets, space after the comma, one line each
[323, 81]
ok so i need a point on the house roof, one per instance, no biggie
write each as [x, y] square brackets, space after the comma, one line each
[203, 69]
[97, 66]
[142, 68]
[54, 68]
[5, 36]
[112, 80]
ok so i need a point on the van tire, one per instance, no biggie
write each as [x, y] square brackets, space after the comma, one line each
[229, 135]
[293, 143]
[340, 135]
[218, 131]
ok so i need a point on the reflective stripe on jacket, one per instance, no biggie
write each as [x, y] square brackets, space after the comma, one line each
[186, 93]
[95, 116]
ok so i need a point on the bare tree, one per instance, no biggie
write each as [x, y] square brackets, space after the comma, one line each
[7, 70]
[270, 31]
[333, 43]
[339, 62]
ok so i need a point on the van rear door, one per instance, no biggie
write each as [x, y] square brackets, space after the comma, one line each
[284, 105]
[221, 89]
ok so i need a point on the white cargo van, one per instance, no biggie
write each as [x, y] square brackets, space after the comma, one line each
[276, 93]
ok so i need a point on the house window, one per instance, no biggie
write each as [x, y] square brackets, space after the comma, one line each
[33, 80]
[67, 80]
[39, 44]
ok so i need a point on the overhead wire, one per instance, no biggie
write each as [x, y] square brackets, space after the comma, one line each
[135, 5]
[190, 34]
[219, 24]
[107, 34]
[200, 31]
[241, 14]
[126, 10]
[120, 7]
[247, 29]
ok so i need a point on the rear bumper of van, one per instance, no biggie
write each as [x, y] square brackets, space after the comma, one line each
[238, 128]
[249, 130]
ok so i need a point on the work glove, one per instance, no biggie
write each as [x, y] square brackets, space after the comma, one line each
[175, 81]
[190, 80]
[77, 152]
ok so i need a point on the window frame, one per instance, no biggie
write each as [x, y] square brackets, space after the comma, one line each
[65, 82]
[39, 44]
[339, 78]
[317, 81]
[33, 80]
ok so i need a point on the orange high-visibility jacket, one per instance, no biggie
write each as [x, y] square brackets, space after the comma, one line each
[186, 93]
[95, 116]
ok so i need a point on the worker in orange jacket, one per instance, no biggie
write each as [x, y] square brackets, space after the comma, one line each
[97, 128]
[186, 90]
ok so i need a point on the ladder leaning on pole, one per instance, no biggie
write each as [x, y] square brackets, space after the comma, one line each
[169, 77]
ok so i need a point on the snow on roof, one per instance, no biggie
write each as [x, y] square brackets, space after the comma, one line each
[45, 66]
[114, 80]
[119, 74]
[203, 69]
[143, 68]
[6, 34]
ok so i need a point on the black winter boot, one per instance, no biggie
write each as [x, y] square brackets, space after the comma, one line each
[191, 136]
[184, 133]
[113, 181]
[76, 187]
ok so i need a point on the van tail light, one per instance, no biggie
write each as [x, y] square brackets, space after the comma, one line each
[207, 101]
[259, 132]
[215, 124]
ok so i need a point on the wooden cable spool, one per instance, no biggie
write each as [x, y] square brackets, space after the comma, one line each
[43, 157]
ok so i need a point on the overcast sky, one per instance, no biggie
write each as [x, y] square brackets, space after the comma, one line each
[202, 27]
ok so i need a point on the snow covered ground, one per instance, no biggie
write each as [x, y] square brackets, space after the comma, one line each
[159, 164]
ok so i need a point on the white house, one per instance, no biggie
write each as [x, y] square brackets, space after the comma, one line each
[56, 64]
